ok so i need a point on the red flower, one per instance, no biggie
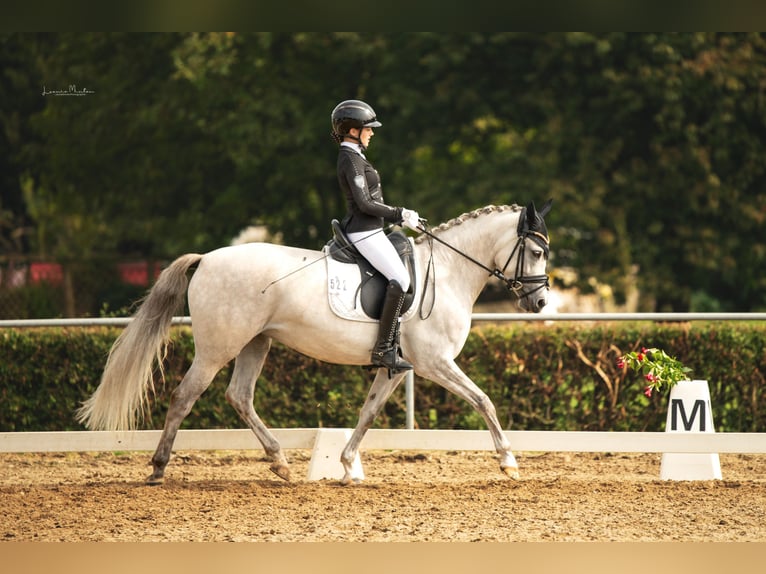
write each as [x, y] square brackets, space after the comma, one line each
[650, 377]
[620, 363]
[640, 357]
[648, 391]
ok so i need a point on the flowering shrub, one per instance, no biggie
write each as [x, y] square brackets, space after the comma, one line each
[659, 368]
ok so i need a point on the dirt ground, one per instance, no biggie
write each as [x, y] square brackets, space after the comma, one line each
[407, 496]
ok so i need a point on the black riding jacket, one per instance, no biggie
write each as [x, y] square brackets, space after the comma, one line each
[360, 182]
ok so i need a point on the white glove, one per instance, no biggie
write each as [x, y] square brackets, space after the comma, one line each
[411, 219]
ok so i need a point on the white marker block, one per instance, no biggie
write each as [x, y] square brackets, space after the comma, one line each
[325, 458]
[689, 411]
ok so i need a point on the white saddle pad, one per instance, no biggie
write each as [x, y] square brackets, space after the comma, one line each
[343, 281]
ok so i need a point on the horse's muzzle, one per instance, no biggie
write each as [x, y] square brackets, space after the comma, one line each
[534, 302]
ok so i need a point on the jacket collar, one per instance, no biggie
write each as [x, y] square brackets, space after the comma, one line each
[353, 147]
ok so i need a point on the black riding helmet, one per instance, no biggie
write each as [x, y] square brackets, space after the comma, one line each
[352, 114]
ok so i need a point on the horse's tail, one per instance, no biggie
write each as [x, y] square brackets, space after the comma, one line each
[123, 393]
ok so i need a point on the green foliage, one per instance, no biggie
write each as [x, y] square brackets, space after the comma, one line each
[562, 377]
[44, 372]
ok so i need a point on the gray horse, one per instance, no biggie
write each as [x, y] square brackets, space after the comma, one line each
[244, 297]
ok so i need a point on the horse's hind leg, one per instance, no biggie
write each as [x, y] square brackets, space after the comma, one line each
[240, 394]
[197, 379]
[381, 389]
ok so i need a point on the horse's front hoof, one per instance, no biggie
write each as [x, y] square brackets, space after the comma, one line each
[511, 472]
[281, 470]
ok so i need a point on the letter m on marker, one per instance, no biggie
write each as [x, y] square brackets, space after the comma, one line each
[677, 406]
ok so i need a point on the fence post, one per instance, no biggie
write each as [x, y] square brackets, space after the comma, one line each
[409, 394]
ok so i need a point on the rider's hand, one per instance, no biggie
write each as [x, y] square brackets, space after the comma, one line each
[411, 219]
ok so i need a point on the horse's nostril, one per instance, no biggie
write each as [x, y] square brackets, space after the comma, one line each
[541, 303]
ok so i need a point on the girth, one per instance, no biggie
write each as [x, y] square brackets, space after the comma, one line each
[372, 287]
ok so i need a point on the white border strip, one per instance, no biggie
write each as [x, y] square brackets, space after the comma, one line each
[398, 439]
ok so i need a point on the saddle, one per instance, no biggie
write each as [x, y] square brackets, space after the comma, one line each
[372, 287]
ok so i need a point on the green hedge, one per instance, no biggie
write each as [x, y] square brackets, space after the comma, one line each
[540, 377]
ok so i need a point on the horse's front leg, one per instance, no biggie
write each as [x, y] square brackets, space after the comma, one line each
[448, 375]
[381, 389]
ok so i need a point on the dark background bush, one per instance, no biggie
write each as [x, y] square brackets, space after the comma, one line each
[541, 377]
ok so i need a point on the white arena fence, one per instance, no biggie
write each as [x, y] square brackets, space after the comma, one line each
[402, 439]
[392, 439]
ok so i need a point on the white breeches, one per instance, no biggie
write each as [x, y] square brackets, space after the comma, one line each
[378, 250]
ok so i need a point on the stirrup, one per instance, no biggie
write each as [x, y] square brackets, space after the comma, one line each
[391, 360]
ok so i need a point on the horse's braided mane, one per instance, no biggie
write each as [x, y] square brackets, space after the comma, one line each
[469, 215]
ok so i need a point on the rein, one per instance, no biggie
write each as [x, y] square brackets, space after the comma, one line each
[515, 285]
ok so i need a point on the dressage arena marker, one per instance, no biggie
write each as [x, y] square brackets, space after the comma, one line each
[325, 456]
[689, 411]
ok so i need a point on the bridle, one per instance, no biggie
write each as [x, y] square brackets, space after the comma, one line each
[519, 281]
[516, 285]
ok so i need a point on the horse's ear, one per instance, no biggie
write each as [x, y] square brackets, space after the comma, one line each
[546, 208]
[531, 215]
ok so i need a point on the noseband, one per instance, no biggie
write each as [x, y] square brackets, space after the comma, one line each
[516, 285]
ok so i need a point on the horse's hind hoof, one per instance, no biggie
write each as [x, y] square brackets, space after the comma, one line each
[153, 480]
[511, 472]
[281, 471]
[348, 481]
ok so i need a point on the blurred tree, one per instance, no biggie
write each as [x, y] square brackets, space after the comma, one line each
[661, 137]
[18, 91]
[104, 172]
[268, 96]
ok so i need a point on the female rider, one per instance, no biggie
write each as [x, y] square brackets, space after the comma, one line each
[367, 214]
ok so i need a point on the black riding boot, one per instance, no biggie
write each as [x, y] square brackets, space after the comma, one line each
[386, 350]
